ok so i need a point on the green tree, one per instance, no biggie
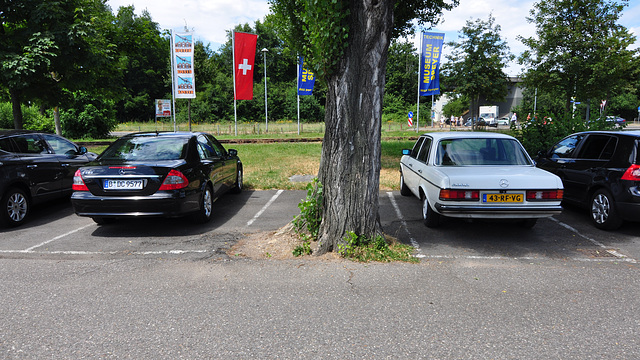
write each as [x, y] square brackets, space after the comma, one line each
[346, 44]
[580, 51]
[49, 47]
[143, 55]
[476, 65]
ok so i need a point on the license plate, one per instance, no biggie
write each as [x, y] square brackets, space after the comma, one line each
[502, 198]
[123, 184]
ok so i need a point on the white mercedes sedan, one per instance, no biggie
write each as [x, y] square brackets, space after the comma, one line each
[477, 175]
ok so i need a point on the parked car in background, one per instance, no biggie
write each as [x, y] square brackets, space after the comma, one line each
[477, 175]
[600, 170]
[617, 120]
[167, 174]
[35, 167]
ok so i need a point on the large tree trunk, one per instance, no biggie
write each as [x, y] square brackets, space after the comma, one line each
[16, 101]
[350, 163]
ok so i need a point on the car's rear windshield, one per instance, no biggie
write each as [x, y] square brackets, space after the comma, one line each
[481, 151]
[146, 149]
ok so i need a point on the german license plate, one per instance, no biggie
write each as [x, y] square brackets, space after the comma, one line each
[502, 198]
[123, 184]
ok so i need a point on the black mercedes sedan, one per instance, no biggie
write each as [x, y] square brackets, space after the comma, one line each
[166, 174]
[35, 167]
[600, 170]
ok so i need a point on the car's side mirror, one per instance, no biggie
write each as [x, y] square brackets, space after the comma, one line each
[406, 152]
[233, 152]
[83, 150]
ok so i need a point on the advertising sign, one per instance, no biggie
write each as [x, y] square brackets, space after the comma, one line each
[182, 60]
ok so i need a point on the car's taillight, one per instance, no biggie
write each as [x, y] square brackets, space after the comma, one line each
[533, 195]
[175, 180]
[459, 194]
[78, 183]
[632, 173]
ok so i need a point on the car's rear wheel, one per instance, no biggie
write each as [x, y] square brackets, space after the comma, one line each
[237, 187]
[603, 211]
[430, 218]
[15, 207]
[206, 206]
[404, 189]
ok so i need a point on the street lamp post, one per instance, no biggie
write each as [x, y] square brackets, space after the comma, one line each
[266, 113]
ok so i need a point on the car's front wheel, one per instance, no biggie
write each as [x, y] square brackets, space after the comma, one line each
[237, 187]
[430, 218]
[15, 207]
[603, 211]
[404, 189]
[206, 206]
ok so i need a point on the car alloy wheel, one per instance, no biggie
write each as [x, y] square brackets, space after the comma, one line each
[237, 188]
[16, 207]
[206, 206]
[603, 212]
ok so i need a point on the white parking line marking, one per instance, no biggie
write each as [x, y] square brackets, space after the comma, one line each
[618, 255]
[273, 198]
[56, 238]
[413, 241]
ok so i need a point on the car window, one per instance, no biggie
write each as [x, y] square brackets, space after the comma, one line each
[423, 155]
[206, 148]
[416, 147]
[60, 145]
[6, 145]
[145, 148]
[479, 151]
[566, 147]
[217, 147]
[30, 144]
[597, 146]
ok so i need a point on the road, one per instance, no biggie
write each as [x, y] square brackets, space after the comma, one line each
[165, 289]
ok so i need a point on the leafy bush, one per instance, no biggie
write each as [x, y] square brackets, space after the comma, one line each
[365, 249]
[89, 117]
[307, 223]
[31, 118]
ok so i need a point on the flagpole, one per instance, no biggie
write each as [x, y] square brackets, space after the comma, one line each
[419, 73]
[173, 83]
[233, 54]
[298, 91]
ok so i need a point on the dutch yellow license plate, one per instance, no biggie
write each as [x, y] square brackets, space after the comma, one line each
[502, 198]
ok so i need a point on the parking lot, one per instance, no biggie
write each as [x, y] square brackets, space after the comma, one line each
[166, 289]
[54, 231]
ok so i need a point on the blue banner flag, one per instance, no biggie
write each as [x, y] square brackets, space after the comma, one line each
[430, 63]
[306, 79]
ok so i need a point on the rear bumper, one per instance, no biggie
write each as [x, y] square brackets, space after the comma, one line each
[498, 212]
[166, 204]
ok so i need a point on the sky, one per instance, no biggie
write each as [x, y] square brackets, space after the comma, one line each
[210, 19]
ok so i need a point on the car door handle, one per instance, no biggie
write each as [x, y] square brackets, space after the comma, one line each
[32, 166]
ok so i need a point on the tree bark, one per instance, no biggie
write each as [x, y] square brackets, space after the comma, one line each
[350, 163]
[16, 101]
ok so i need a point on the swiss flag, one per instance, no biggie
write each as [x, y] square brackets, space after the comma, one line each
[244, 51]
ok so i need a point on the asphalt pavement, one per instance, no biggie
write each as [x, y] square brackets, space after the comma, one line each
[166, 289]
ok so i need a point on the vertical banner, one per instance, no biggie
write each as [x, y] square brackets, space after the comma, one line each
[430, 63]
[306, 79]
[244, 55]
[182, 60]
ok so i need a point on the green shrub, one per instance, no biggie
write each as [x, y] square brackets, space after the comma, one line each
[89, 117]
[31, 118]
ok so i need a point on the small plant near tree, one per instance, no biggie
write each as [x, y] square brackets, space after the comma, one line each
[365, 249]
[307, 223]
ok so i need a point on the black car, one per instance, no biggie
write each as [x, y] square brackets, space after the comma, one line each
[35, 167]
[600, 170]
[166, 174]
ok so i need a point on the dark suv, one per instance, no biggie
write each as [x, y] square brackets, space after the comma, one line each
[35, 167]
[601, 171]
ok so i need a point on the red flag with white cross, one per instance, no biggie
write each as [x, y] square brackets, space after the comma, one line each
[244, 55]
